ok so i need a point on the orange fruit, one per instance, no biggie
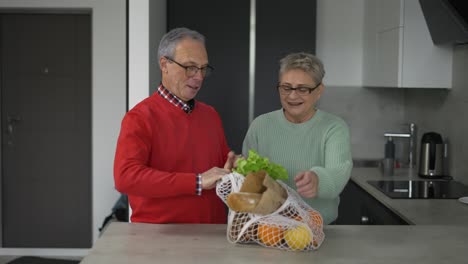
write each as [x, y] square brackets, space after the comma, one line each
[297, 218]
[315, 219]
[270, 235]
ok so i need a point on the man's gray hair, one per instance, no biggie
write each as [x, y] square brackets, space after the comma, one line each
[170, 40]
[303, 61]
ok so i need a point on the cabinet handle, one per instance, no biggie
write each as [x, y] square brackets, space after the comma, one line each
[364, 220]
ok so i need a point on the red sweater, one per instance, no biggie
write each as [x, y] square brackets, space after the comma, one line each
[160, 151]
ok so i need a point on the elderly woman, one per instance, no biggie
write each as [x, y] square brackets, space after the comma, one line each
[311, 144]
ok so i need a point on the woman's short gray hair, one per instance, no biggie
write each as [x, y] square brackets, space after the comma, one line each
[170, 40]
[303, 61]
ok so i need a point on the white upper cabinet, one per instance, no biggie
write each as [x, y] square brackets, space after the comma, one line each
[398, 49]
[339, 40]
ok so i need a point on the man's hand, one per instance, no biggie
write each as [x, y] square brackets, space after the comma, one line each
[211, 176]
[307, 184]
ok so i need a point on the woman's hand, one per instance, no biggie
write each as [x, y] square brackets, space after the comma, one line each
[231, 161]
[307, 184]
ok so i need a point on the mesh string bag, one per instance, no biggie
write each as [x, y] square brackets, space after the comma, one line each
[295, 226]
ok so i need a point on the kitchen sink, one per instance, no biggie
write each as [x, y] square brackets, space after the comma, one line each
[366, 163]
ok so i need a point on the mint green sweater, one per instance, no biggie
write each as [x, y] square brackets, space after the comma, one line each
[322, 145]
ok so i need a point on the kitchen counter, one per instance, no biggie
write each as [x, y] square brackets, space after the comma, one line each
[184, 243]
[413, 211]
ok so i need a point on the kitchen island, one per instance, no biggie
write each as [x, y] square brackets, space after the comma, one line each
[203, 243]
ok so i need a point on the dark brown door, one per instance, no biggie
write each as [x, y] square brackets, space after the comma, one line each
[46, 130]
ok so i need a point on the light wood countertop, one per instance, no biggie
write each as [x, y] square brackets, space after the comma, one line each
[172, 243]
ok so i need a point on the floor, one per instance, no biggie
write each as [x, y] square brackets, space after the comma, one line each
[6, 259]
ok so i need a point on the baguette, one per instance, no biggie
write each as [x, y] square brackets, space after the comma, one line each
[243, 201]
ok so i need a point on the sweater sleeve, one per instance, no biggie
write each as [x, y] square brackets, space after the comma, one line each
[133, 176]
[336, 171]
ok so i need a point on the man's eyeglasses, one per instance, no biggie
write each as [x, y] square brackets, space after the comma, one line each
[301, 90]
[190, 71]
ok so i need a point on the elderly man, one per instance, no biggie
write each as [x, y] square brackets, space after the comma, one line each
[171, 149]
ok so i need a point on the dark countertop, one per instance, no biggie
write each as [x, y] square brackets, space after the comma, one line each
[413, 211]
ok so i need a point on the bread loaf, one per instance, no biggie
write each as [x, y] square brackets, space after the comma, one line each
[253, 182]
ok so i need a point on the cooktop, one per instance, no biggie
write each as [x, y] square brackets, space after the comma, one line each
[419, 189]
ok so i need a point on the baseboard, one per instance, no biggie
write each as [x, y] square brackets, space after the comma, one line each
[69, 252]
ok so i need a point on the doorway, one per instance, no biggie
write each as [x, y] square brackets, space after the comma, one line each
[45, 82]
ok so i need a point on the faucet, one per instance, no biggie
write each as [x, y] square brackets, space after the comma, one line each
[411, 135]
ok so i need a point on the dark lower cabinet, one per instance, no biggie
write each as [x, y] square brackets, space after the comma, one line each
[357, 207]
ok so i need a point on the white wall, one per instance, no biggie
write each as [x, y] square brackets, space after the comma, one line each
[147, 24]
[138, 51]
[108, 100]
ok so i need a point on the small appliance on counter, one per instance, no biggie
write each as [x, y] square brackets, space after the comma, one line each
[388, 163]
[431, 157]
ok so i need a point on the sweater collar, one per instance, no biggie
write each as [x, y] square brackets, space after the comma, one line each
[173, 99]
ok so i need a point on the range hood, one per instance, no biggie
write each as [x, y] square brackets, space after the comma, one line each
[447, 20]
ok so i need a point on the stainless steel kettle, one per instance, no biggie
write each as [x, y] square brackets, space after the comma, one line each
[431, 157]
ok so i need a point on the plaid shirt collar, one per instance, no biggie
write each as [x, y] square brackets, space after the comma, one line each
[171, 98]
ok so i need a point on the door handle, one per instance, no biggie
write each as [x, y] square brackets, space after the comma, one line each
[365, 220]
[11, 121]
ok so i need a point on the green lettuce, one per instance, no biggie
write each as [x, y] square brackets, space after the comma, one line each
[256, 163]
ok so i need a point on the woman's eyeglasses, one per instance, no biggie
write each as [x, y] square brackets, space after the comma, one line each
[300, 90]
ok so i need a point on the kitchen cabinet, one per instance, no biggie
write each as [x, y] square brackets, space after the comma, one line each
[398, 49]
[226, 25]
[357, 207]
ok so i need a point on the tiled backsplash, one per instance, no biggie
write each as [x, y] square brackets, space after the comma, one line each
[370, 112]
